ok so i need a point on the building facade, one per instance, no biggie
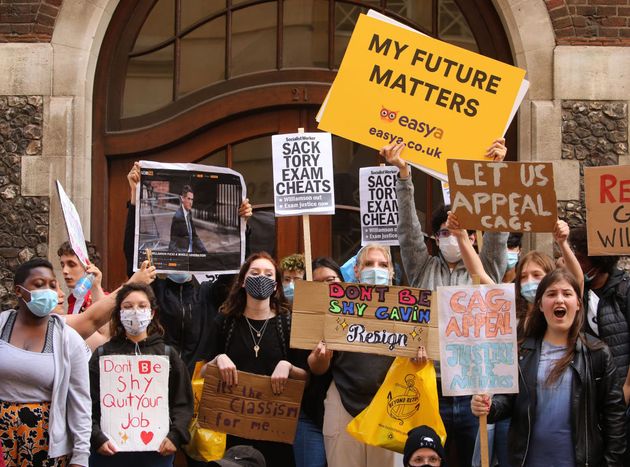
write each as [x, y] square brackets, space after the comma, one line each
[89, 86]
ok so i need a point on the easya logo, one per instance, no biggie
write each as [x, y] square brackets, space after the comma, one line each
[403, 401]
[388, 115]
[424, 128]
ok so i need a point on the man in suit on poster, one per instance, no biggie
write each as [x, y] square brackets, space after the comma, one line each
[183, 234]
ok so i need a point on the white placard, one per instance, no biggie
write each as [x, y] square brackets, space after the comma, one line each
[478, 350]
[73, 225]
[134, 400]
[379, 205]
[303, 174]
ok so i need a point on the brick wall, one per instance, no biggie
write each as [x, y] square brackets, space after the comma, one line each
[590, 22]
[28, 20]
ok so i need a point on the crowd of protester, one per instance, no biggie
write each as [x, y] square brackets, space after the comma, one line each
[573, 344]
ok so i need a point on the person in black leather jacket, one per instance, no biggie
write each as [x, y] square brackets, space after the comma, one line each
[187, 308]
[569, 409]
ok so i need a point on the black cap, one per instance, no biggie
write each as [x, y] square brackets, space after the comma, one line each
[241, 456]
[422, 437]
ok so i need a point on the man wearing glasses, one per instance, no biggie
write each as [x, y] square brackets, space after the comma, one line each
[423, 448]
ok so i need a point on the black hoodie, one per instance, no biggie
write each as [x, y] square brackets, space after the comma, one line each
[180, 397]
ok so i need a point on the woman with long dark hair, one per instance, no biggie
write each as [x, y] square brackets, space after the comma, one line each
[136, 330]
[569, 409]
[252, 334]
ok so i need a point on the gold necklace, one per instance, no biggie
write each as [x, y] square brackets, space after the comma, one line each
[259, 333]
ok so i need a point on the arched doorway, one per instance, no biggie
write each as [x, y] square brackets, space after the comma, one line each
[210, 80]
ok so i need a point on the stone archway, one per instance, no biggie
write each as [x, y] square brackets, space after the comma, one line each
[77, 40]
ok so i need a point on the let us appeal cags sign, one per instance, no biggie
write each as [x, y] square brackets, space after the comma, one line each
[503, 196]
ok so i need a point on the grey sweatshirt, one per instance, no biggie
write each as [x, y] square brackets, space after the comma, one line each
[428, 272]
[70, 421]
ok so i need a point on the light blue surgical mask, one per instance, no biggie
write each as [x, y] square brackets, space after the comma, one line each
[512, 259]
[42, 301]
[289, 290]
[374, 276]
[180, 277]
[528, 290]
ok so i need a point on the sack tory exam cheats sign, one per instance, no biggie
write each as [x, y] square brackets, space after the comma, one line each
[379, 205]
[607, 196]
[396, 85]
[303, 174]
[378, 319]
[134, 400]
[250, 409]
[503, 196]
[478, 351]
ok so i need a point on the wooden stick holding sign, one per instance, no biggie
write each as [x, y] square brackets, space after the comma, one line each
[483, 420]
[306, 231]
[303, 180]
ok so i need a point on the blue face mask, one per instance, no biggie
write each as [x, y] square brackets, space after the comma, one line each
[42, 302]
[512, 259]
[374, 276]
[528, 290]
[289, 290]
[180, 277]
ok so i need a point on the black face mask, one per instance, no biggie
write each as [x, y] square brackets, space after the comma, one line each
[260, 287]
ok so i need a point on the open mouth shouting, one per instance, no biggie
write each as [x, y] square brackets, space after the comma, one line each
[559, 312]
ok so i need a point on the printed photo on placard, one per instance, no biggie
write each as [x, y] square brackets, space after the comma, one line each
[188, 218]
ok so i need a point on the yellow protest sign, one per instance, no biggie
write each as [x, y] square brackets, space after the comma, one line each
[397, 85]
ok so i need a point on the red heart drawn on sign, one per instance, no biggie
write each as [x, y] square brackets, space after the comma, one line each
[146, 436]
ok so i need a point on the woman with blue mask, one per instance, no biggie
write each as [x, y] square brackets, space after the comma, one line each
[44, 384]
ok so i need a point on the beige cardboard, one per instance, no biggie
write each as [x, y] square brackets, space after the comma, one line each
[250, 409]
[503, 196]
[317, 316]
[607, 195]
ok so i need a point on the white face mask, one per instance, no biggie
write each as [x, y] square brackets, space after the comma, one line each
[450, 249]
[135, 320]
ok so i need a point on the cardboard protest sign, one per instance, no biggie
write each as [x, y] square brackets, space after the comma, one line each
[187, 215]
[303, 174]
[134, 400]
[503, 196]
[250, 409]
[607, 194]
[377, 319]
[379, 205]
[478, 339]
[396, 85]
[73, 225]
